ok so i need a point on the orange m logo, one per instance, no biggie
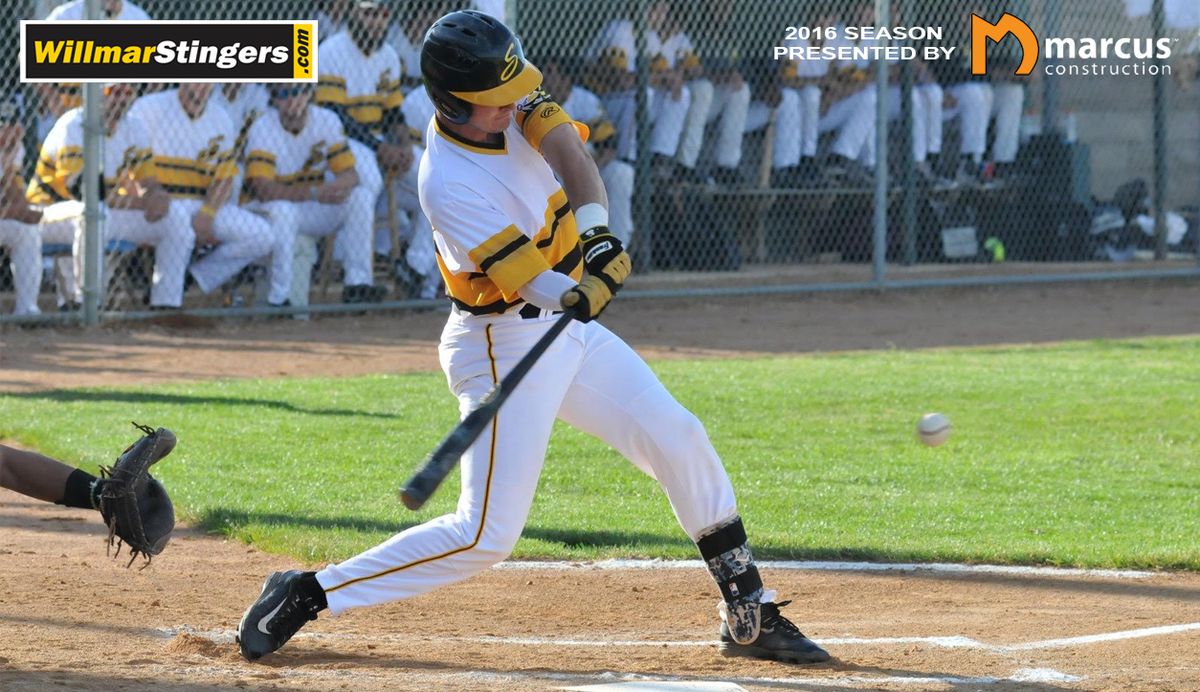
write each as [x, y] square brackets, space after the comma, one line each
[982, 31]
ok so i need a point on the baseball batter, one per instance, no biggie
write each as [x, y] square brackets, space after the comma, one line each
[511, 255]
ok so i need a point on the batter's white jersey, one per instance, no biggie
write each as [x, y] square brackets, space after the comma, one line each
[499, 215]
[365, 85]
[300, 158]
[74, 11]
[189, 153]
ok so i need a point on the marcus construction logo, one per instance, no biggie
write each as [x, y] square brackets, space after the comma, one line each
[1071, 56]
[983, 31]
[169, 51]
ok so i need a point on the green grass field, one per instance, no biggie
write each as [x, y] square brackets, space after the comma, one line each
[1083, 454]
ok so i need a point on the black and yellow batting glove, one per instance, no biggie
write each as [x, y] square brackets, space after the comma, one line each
[587, 299]
[604, 257]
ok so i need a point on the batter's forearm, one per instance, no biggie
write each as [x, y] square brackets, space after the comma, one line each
[574, 166]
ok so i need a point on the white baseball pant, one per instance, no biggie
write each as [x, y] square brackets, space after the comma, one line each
[796, 120]
[709, 102]
[173, 240]
[574, 381]
[977, 103]
[420, 254]
[62, 224]
[666, 114]
[244, 237]
[352, 221]
[854, 119]
[618, 178]
[24, 243]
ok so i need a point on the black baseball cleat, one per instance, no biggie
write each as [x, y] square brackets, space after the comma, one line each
[778, 640]
[280, 611]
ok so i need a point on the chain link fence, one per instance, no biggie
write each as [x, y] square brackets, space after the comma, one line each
[783, 141]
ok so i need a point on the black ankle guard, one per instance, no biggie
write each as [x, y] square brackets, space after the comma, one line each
[728, 558]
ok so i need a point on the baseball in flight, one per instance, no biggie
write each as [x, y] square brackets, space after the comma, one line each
[933, 429]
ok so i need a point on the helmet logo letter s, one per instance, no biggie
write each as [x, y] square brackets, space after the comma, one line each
[510, 64]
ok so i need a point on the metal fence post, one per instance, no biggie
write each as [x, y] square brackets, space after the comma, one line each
[1160, 139]
[93, 253]
[643, 248]
[879, 251]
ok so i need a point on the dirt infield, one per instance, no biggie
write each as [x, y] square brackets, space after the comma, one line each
[72, 619]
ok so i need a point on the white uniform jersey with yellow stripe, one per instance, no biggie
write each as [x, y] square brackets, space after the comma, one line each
[60, 162]
[300, 158]
[365, 85]
[189, 153]
[499, 215]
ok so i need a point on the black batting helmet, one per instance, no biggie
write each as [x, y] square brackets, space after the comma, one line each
[469, 58]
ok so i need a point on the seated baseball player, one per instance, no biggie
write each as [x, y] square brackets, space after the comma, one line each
[300, 170]
[516, 248]
[192, 145]
[360, 81]
[137, 207]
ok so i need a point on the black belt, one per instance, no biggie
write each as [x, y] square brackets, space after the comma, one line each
[529, 311]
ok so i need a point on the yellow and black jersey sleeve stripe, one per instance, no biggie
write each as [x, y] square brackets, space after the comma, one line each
[689, 60]
[307, 177]
[339, 157]
[510, 260]
[392, 96]
[366, 109]
[260, 164]
[50, 176]
[556, 243]
[190, 178]
[542, 118]
[659, 63]
[331, 89]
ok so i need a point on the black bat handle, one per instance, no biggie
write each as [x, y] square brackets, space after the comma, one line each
[442, 460]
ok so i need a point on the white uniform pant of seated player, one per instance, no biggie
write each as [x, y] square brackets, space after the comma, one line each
[976, 104]
[420, 255]
[244, 236]
[591, 380]
[709, 102]
[24, 245]
[351, 220]
[171, 236]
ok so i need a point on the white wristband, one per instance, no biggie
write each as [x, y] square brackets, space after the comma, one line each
[591, 215]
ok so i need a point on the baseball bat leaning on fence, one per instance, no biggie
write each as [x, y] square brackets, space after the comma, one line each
[442, 461]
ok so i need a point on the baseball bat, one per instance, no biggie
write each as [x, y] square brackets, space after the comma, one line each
[442, 461]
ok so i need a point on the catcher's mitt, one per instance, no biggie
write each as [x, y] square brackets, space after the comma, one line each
[134, 505]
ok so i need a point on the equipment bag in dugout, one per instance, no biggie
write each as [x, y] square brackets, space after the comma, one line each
[135, 506]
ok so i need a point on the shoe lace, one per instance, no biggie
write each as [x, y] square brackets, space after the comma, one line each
[772, 619]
